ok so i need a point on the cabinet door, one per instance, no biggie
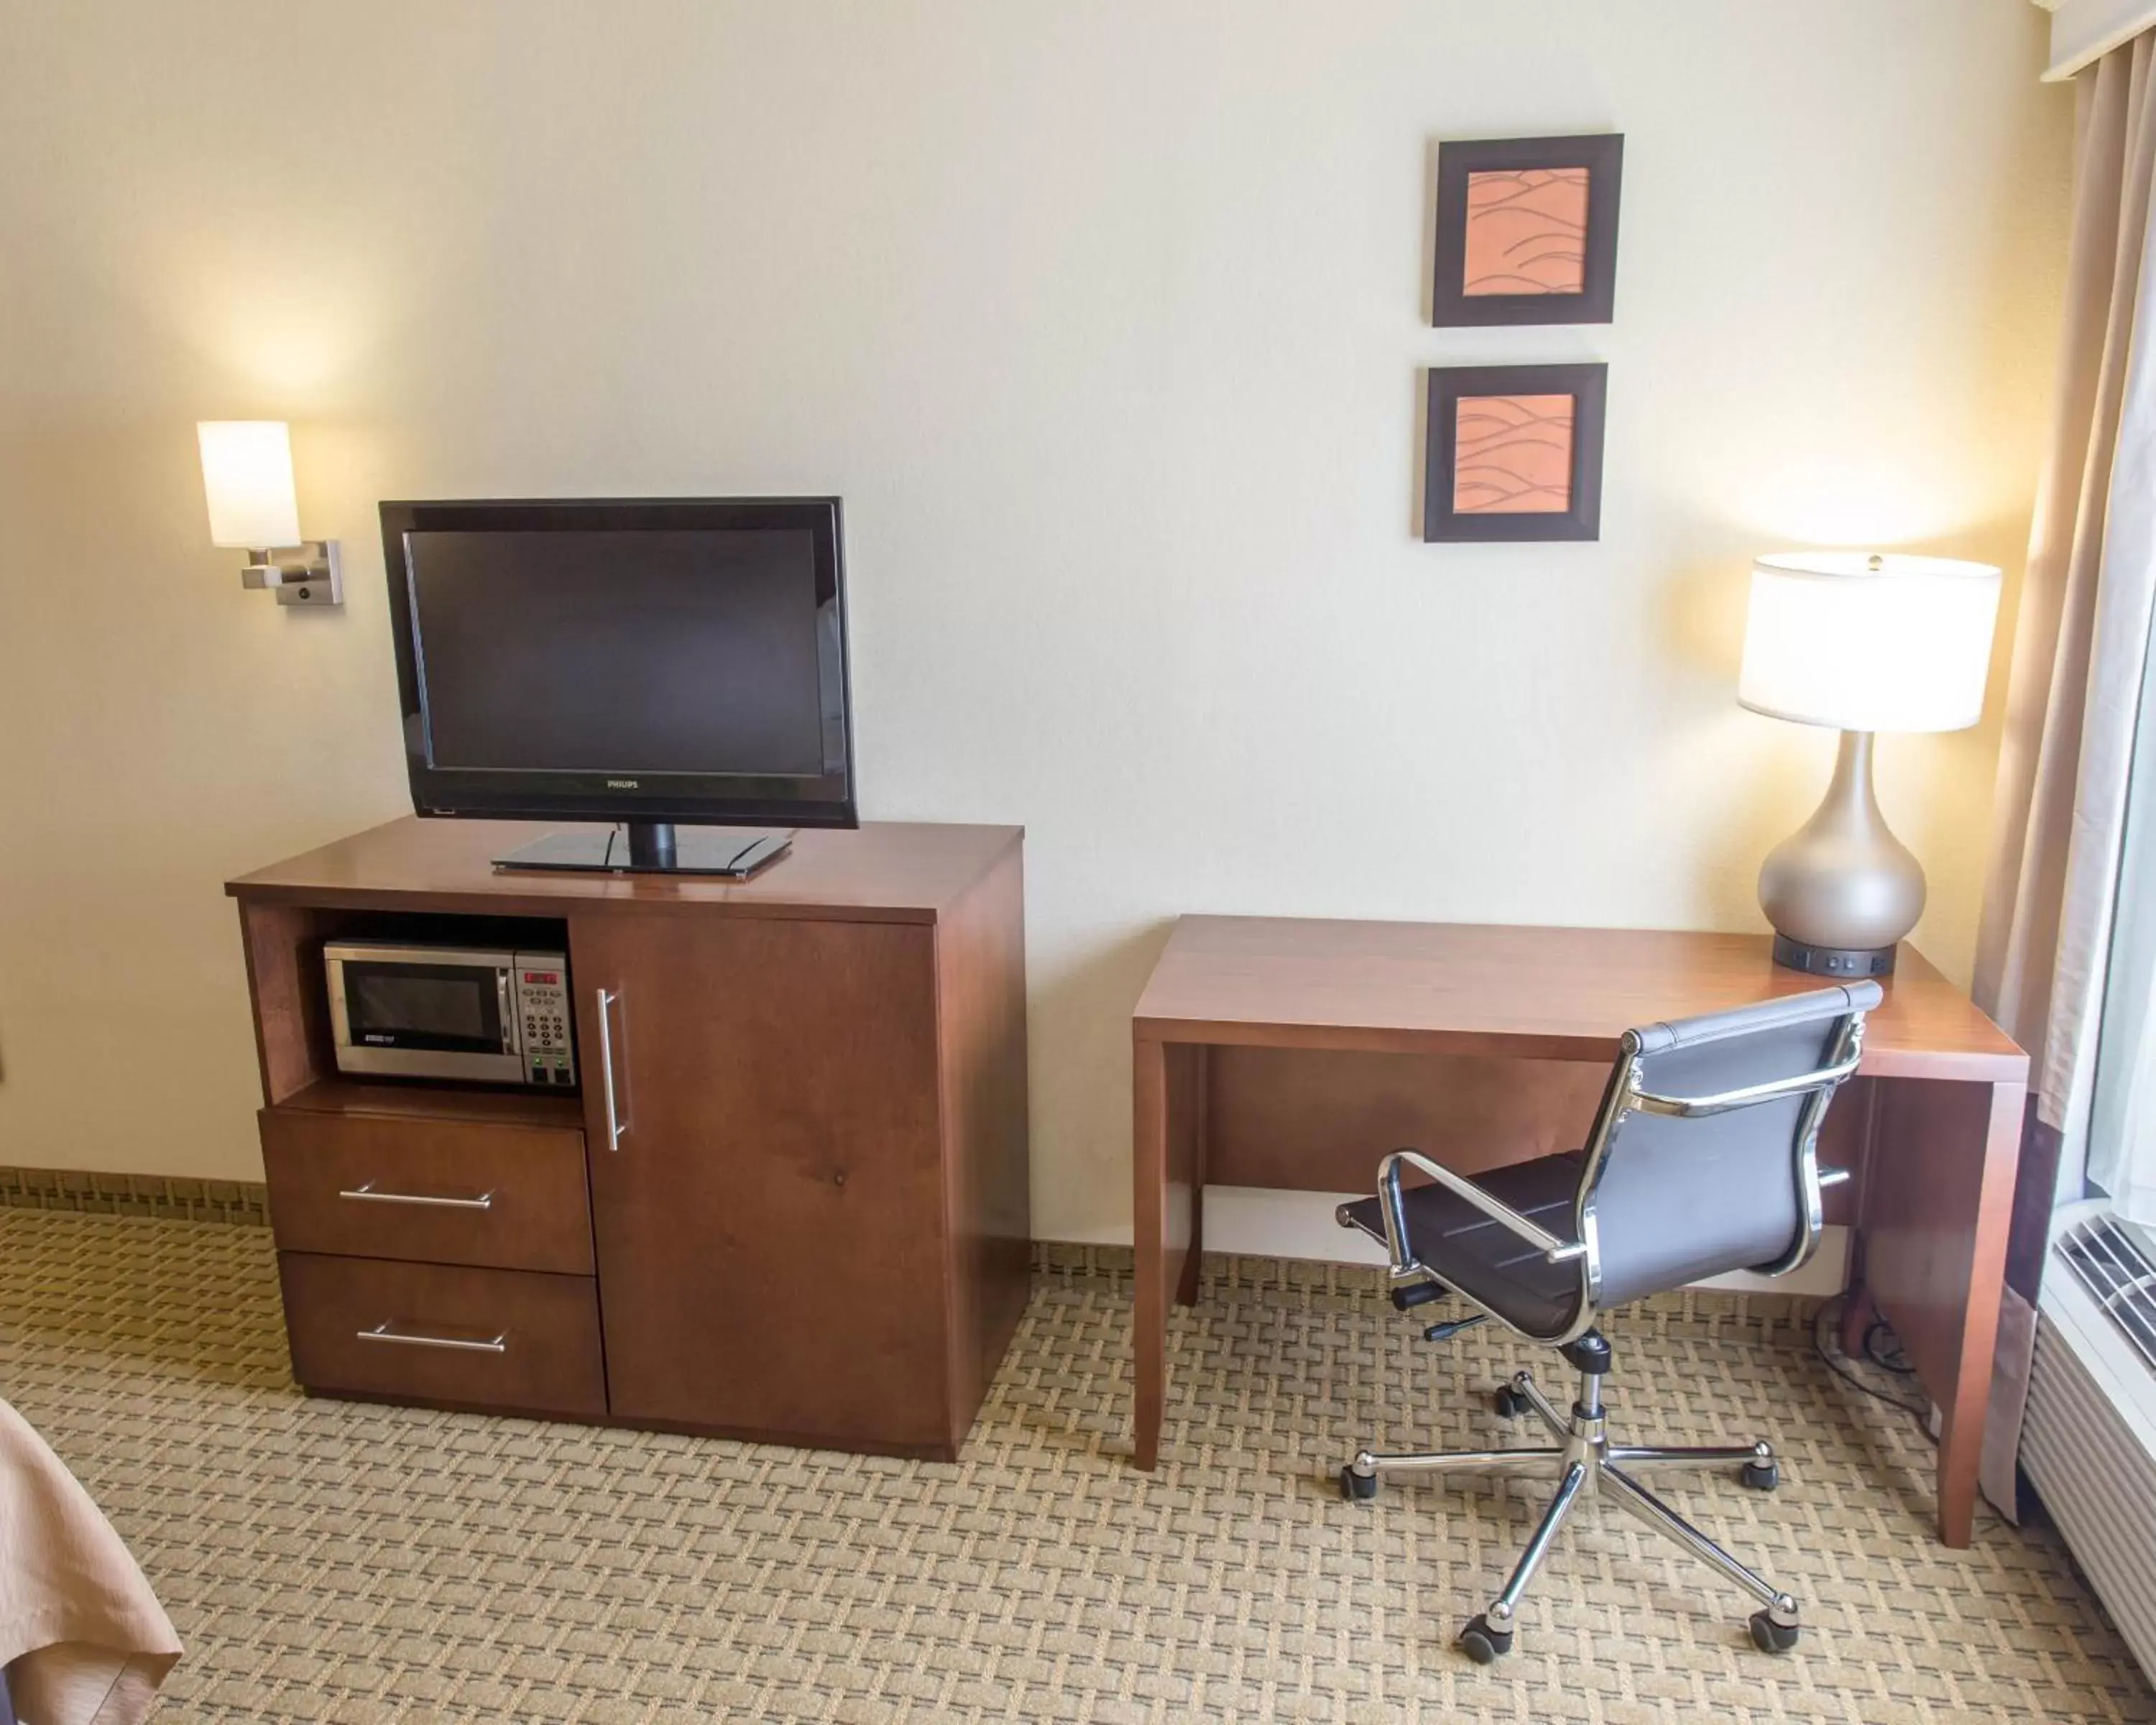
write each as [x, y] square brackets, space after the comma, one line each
[767, 1198]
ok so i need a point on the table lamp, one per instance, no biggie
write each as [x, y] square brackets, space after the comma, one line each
[1865, 642]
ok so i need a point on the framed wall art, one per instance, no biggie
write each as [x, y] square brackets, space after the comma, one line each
[1514, 453]
[1526, 230]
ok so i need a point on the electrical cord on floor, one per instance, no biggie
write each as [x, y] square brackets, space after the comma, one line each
[1831, 1312]
[1883, 1348]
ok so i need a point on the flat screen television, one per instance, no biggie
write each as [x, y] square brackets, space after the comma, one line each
[648, 662]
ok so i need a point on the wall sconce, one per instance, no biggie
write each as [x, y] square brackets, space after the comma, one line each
[247, 476]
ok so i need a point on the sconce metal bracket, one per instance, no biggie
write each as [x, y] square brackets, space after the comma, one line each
[309, 573]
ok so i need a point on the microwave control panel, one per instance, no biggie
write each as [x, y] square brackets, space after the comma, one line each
[543, 1010]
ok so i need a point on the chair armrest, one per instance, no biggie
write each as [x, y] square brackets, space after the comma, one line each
[1391, 1208]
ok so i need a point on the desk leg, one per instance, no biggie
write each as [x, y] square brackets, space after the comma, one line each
[1189, 1125]
[1166, 1111]
[1938, 1197]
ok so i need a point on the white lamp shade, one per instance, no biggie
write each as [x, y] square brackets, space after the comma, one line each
[1869, 643]
[247, 475]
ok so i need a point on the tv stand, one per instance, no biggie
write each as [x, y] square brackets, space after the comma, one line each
[789, 1200]
[653, 847]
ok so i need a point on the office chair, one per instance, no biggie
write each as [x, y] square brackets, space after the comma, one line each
[1702, 1160]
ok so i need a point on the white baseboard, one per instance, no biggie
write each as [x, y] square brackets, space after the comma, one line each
[1261, 1223]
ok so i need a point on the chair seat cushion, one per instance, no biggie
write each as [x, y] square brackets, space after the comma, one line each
[1481, 1258]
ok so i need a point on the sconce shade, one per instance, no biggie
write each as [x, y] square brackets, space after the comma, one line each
[1869, 642]
[247, 476]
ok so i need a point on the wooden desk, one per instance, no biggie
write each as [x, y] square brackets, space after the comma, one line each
[1293, 1053]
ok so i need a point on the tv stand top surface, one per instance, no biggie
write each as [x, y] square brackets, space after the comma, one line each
[888, 871]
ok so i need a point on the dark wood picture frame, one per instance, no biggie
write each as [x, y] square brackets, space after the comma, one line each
[1581, 516]
[1601, 156]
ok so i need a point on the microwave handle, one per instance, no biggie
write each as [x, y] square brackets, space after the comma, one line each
[608, 999]
[506, 1007]
[339, 1005]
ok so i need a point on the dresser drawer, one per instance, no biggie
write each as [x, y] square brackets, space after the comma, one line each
[509, 1197]
[501, 1338]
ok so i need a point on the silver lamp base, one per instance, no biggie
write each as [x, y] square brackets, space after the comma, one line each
[1842, 891]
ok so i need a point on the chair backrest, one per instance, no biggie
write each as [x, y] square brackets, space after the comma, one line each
[1687, 1175]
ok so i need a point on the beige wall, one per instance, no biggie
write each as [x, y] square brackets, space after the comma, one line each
[1106, 321]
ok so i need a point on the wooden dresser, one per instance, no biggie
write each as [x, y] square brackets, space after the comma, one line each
[811, 1225]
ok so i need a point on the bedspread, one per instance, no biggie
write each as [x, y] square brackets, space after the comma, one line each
[83, 1641]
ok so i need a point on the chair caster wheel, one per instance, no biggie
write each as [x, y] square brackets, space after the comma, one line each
[1355, 1488]
[1482, 1644]
[1761, 1475]
[1769, 1636]
[1508, 1403]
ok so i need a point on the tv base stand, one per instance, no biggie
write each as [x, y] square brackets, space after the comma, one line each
[653, 848]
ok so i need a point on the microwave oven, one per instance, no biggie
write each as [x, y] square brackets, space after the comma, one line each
[450, 1012]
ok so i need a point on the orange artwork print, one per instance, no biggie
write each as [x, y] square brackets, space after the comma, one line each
[1527, 232]
[1512, 454]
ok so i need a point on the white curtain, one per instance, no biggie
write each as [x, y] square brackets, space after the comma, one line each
[2116, 1127]
[2121, 1135]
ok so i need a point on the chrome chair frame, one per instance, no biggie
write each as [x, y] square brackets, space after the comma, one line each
[1585, 1462]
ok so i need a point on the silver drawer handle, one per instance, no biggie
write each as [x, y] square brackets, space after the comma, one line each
[365, 1193]
[382, 1332]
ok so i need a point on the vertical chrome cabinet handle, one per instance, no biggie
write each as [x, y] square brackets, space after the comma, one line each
[615, 1128]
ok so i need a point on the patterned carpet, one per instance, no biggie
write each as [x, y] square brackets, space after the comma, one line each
[327, 1561]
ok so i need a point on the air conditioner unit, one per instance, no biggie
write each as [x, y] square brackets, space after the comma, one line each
[2088, 1437]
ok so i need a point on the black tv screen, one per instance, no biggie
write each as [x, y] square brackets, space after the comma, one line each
[657, 660]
